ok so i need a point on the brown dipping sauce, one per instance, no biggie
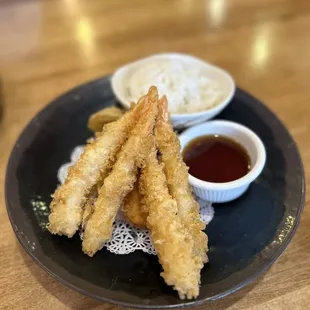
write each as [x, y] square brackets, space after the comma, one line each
[217, 159]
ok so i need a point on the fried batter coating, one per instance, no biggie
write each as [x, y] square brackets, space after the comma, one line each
[177, 178]
[89, 205]
[97, 120]
[95, 162]
[120, 181]
[133, 207]
[169, 236]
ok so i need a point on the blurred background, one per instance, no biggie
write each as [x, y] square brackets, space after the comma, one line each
[48, 47]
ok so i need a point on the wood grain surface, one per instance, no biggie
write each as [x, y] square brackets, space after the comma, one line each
[47, 47]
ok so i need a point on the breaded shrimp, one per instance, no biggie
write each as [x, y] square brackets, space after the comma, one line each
[133, 207]
[89, 205]
[133, 215]
[173, 247]
[177, 178]
[95, 162]
[120, 181]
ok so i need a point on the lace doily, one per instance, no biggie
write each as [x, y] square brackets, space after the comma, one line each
[127, 238]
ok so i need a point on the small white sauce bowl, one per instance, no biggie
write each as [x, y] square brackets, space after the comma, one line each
[224, 192]
[120, 78]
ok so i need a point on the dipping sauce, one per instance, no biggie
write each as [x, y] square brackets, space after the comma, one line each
[216, 159]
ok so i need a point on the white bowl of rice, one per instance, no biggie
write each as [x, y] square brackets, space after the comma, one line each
[196, 90]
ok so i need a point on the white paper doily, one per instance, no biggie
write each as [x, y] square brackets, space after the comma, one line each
[127, 238]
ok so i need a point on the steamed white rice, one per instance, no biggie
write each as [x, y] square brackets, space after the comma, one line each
[186, 86]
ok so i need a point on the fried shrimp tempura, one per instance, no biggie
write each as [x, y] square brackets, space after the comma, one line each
[177, 178]
[89, 205]
[120, 181]
[173, 247]
[133, 207]
[95, 162]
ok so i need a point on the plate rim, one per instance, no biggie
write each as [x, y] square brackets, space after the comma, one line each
[25, 245]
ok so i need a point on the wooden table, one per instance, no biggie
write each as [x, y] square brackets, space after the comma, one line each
[47, 47]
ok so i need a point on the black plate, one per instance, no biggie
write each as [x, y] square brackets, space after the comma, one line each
[246, 236]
